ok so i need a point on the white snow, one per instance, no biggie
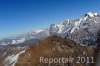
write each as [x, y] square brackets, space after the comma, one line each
[13, 41]
[16, 41]
[3, 43]
[68, 21]
[76, 26]
[4, 54]
[92, 14]
[95, 14]
[67, 30]
[60, 26]
[13, 58]
[77, 23]
[21, 40]
[95, 21]
[85, 18]
[72, 30]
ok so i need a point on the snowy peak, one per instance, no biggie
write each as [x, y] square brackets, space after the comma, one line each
[90, 14]
[70, 26]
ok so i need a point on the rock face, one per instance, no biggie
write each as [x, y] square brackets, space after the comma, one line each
[55, 47]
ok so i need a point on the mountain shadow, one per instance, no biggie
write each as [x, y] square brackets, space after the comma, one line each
[97, 55]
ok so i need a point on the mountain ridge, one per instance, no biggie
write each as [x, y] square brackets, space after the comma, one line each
[54, 47]
[64, 29]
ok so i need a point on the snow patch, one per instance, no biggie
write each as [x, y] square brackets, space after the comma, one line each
[95, 14]
[60, 26]
[13, 58]
[76, 26]
[92, 14]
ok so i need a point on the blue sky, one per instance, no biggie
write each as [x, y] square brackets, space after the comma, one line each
[20, 16]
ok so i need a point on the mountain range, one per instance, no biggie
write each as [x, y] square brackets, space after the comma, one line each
[71, 38]
[82, 30]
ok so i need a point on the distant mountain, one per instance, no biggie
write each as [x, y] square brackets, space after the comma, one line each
[82, 30]
[34, 35]
[70, 26]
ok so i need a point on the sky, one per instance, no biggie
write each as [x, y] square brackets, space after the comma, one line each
[20, 16]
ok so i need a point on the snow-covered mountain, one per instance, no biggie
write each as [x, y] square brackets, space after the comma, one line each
[35, 34]
[70, 26]
[83, 28]
[83, 31]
